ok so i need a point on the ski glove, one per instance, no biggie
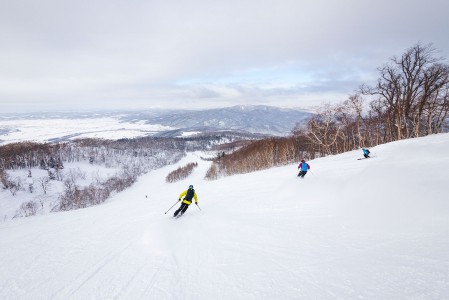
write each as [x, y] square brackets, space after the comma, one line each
[179, 199]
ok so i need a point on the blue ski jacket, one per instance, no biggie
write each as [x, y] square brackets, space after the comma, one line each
[365, 151]
[304, 166]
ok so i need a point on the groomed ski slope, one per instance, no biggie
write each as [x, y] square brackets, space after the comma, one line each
[354, 229]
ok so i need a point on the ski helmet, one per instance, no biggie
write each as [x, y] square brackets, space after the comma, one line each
[190, 186]
[303, 160]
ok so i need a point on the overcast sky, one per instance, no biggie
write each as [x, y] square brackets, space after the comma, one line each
[140, 54]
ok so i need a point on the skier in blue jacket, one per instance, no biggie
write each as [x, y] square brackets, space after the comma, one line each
[366, 153]
[303, 168]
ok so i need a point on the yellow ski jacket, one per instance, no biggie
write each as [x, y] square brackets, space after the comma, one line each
[186, 201]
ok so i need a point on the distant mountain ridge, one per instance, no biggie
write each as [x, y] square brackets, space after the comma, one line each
[258, 119]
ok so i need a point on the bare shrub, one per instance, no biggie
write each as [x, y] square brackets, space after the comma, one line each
[4, 179]
[14, 185]
[212, 173]
[29, 208]
[13, 188]
[181, 172]
[41, 199]
[8, 183]
[96, 177]
[75, 174]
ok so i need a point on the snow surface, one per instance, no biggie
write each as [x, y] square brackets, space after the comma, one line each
[44, 130]
[190, 133]
[353, 229]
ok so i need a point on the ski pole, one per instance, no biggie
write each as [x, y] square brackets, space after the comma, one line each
[198, 206]
[172, 206]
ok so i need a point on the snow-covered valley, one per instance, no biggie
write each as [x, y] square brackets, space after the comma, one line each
[67, 126]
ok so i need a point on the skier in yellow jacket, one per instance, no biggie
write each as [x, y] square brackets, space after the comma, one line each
[188, 195]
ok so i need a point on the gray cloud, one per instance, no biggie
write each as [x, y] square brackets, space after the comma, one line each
[105, 54]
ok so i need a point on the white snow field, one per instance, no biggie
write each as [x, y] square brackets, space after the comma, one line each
[353, 229]
[45, 130]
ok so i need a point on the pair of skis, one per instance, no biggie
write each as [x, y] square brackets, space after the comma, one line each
[365, 157]
[180, 214]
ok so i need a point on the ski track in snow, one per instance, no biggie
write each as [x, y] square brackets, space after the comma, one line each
[367, 229]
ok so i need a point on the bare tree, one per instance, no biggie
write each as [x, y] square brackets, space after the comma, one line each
[355, 104]
[411, 87]
[44, 183]
[323, 129]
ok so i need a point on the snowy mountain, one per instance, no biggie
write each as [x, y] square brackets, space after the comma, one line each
[351, 229]
[251, 118]
[50, 127]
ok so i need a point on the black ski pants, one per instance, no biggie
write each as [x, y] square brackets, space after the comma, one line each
[302, 173]
[182, 209]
